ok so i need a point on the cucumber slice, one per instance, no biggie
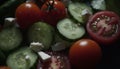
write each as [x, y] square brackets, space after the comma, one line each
[79, 11]
[10, 38]
[69, 29]
[98, 4]
[23, 58]
[41, 32]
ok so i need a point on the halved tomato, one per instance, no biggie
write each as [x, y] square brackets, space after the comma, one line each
[57, 61]
[104, 27]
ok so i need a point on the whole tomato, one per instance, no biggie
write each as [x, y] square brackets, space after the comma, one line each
[85, 54]
[27, 14]
[53, 11]
[4, 67]
[104, 27]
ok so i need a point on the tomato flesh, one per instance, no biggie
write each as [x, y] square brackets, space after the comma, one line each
[84, 54]
[104, 27]
[57, 61]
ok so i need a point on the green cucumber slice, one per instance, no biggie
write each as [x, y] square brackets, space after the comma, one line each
[10, 38]
[69, 29]
[80, 11]
[41, 32]
[23, 58]
[98, 4]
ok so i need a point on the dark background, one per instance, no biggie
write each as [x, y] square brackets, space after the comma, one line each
[111, 57]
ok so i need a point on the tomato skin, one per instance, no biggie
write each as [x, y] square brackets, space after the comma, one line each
[4, 67]
[55, 14]
[98, 37]
[85, 54]
[27, 14]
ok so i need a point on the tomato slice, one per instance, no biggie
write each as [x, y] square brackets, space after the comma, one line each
[104, 27]
[58, 61]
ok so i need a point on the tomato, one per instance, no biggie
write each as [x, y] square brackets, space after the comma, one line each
[85, 54]
[104, 27]
[4, 67]
[53, 11]
[57, 61]
[27, 14]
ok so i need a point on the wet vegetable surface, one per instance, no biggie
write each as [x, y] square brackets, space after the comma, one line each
[110, 53]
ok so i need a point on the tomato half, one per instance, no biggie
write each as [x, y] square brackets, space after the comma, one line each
[53, 11]
[85, 54]
[27, 14]
[4, 67]
[104, 27]
[58, 61]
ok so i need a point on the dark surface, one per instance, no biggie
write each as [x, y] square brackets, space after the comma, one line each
[111, 57]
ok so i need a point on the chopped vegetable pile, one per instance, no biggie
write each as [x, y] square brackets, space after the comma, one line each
[59, 34]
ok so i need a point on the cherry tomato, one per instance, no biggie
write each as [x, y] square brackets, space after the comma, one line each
[104, 27]
[27, 14]
[85, 54]
[4, 67]
[53, 11]
[57, 61]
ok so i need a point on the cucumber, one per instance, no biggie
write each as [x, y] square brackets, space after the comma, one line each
[41, 32]
[70, 29]
[10, 38]
[98, 4]
[23, 58]
[80, 11]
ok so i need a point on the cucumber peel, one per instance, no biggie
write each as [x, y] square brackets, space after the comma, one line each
[41, 32]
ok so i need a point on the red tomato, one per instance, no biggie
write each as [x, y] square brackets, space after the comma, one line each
[27, 14]
[4, 67]
[57, 61]
[104, 27]
[85, 54]
[53, 11]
